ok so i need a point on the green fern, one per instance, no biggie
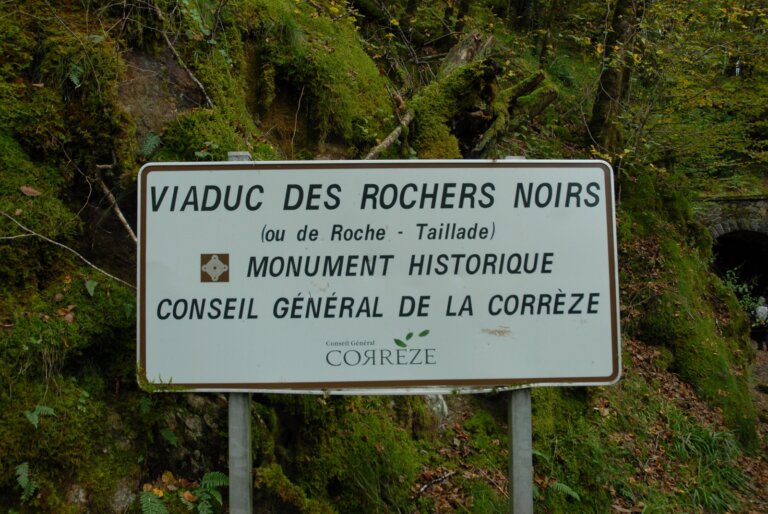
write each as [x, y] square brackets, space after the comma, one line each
[213, 480]
[28, 485]
[151, 504]
[150, 143]
[564, 489]
[40, 410]
[169, 436]
[75, 75]
[542, 456]
[204, 507]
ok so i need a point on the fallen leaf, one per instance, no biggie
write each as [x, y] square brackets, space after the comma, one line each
[63, 311]
[30, 191]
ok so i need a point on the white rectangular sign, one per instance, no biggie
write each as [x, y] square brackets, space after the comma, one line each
[385, 276]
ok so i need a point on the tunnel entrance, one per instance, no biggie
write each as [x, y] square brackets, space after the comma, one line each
[743, 256]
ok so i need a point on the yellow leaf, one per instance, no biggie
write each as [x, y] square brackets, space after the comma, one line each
[394, 22]
[158, 492]
[191, 498]
[599, 49]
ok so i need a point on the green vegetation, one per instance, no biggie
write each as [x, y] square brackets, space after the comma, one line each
[89, 91]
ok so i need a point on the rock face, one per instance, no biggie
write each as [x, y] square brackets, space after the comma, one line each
[123, 497]
[154, 90]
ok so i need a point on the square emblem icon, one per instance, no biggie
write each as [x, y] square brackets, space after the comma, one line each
[214, 267]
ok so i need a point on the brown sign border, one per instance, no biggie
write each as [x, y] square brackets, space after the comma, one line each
[390, 386]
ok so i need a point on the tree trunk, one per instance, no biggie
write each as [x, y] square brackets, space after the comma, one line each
[547, 36]
[604, 126]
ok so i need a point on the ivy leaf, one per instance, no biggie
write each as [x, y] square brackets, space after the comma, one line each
[399, 343]
[90, 286]
[424, 333]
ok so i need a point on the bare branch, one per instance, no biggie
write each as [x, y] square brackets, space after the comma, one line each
[31, 232]
[116, 207]
[437, 480]
[391, 138]
[180, 60]
[296, 118]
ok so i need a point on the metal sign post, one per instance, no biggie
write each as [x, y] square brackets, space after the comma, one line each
[520, 452]
[240, 458]
[240, 453]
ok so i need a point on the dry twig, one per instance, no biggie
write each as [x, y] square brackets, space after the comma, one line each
[116, 208]
[437, 480]
[180, 60]
[31, 232]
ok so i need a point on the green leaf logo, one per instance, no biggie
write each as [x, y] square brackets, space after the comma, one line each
[408, 337]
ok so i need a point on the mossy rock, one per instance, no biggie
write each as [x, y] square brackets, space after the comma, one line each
[311, 54]
[440, 101]
[360, 460]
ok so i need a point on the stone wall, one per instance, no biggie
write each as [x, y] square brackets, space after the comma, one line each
[731, 214]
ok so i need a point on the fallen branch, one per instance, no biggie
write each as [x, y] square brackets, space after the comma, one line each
[180, 60]
[523, 88]
[472, 48]
[391, 138]
[437, 480]
[116, 208]
[65, 247]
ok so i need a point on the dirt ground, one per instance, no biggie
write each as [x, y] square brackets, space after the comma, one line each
[438, 483]
[760, 372]
[757, 466]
